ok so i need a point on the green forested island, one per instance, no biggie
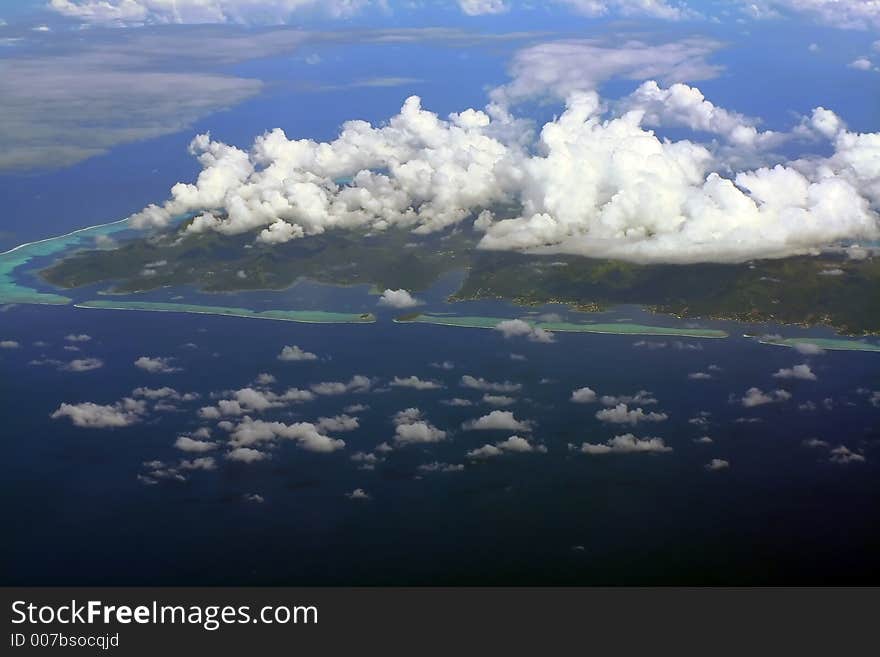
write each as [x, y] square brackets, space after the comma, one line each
[828, 290]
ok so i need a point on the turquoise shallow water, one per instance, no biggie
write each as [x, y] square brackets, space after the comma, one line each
[13, 291]
[306, 316]
[570, 327]
[831, 344]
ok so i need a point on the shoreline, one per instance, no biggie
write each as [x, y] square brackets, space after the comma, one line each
[242, 313]
[828, 344]
[58, 237]
[563, 327]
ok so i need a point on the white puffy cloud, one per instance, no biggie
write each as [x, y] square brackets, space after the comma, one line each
[482, 7]
[457, 402]
[357, 383]
[156, 365]
[862, 64]
[264, 379]
[146, 12]
[685, 106]
[498, 420]
[358, 494]
[80, 337]
[97, 416]
[398, 299]
[187, 444]
[757, 397]
[643, 397]
[165, 393]
[802, 372]
[437, 466]
[622, 414]
[412, 428]
[82, 365]
[248, 400]
[662, 9]
[498, 400]
[717, 464]
[468, 381]
[596, 183]
[842, 455]
[808, 349]
[559, 68]
[199, 463]
[512, 444]
[294, 353]
[511, 328]
[691, 214]
[583, 396]
[415, 383]
[9, 344]
[246, 455]
[306, 435]
[846, 14]
[337, 423]
[626, 444]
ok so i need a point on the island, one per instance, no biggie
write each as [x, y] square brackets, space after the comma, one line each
[827, 289]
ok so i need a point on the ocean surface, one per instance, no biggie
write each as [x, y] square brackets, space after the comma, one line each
[79, 511]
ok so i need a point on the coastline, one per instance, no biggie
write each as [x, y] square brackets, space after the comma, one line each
[299, 316]
[829, 344]
[566, 327]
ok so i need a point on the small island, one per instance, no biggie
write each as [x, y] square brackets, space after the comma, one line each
[826, 290]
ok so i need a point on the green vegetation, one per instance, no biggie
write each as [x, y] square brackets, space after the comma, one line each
[617, 328]
[306, 316]
[789, 291]
[218, 263]
[825, 290]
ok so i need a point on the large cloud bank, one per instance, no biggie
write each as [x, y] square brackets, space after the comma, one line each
[595, 181]
[138, 12]
[846, 14]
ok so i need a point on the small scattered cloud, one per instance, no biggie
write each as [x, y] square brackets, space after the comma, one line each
[294, 353]
[468, 381]
[514, 444]
[583, 396]
[625, 444]
[246, 455]
[103, 416]
[357, 384]
[498, 420]
[156, 365]
[801, 372]
[437, 466]
[757, 397]
[622, 414]
[416, 383]
[398, 299]
[82, 365]
[498, 400]
[512, 328]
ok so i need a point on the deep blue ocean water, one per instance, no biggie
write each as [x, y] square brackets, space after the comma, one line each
[77, 514]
